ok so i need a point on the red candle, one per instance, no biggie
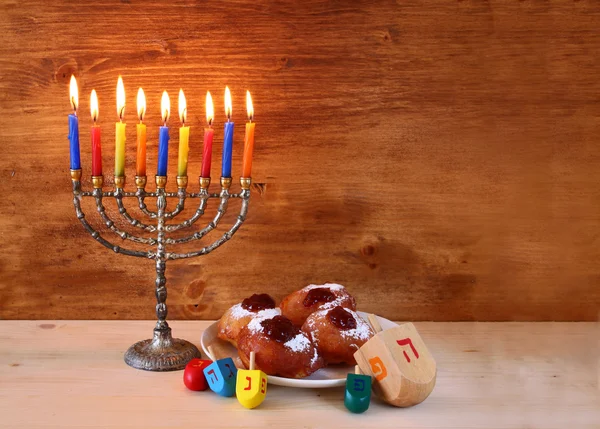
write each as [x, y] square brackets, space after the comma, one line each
[96, 148]
[208, 137]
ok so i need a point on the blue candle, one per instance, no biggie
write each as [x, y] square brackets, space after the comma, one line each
[74, 142]
[227, 150]
[74, 125]
[163, 151]
[228, 140]
[163, 136]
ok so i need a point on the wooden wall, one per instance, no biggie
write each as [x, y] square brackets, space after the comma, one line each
[441, 159]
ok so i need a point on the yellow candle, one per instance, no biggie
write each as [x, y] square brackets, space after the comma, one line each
[140, 165]
[120, 131]
[184, 137]
[248, 139]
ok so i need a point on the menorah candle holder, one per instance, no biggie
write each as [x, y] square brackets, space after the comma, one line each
[162, 352]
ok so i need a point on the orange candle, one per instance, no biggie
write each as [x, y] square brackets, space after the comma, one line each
[248, 139]
[140, 165]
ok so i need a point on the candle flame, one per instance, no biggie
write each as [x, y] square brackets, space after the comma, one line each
[73, 93]
[249, 106]
[141, 104]
[94, 105]
[182, 107]
[165, 107]
[120, 98]
[210, 109]
[228, 103]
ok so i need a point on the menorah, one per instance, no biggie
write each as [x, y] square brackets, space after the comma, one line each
[162, 352]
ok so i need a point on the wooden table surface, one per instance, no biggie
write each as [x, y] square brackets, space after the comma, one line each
[67, 374]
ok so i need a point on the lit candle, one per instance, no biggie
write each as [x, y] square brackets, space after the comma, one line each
[228, 139]
[163, 136]
[248, 139]
[184, 137]
[96, 148]
[74, 126]
[140, 165]
[120, 131]
[208, 137]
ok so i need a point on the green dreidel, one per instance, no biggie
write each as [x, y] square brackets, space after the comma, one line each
[358, 392]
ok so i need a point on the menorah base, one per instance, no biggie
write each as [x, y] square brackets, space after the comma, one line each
[161, 353]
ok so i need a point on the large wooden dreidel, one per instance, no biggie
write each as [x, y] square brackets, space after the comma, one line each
[251, 387]
[358, 391]
[397, 358]
[221, 375]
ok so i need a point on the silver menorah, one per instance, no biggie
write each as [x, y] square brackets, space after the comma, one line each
[162, 352]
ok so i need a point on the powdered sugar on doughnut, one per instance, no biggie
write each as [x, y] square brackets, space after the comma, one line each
[237, 312]
[315, 357]
[362, 331]
[333, 287]
[299, 343]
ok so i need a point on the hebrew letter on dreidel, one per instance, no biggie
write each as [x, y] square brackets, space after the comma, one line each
[378, 368]
[407, 341]
[403, 368]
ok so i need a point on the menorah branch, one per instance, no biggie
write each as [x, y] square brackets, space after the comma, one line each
[162, 352]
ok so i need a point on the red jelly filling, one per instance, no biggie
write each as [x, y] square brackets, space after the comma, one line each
[341, 318]
[321, 294]
[280, 329]
[258, 302]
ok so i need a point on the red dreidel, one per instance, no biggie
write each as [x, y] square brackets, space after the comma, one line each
[221, 375]
[193, 375]
[358, 392]
[401, 364]
[251, 386]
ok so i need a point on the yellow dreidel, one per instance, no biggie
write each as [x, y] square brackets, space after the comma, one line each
[221, 375]
[358, 391]
[397, 358]
[251, 387]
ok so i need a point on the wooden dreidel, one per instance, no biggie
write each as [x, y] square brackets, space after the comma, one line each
[221, 375]
[358, 391]
[401, 364]
[251, 387]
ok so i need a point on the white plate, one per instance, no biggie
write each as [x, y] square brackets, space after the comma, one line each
[333, 375]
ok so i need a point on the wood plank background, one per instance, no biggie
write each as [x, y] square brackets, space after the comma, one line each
[441, 159]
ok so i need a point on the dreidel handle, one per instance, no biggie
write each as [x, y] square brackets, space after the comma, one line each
[374, 323]
[211, 352]
[252, 360]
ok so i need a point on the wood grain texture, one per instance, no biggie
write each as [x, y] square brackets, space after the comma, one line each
[441, 159]
[71, 374]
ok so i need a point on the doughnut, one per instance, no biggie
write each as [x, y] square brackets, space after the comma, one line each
[338, 333]
[238, 316]
[280, 347]
[300, 304]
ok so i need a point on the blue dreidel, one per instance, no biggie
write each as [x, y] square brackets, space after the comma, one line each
[358, 392]
[221, 375]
